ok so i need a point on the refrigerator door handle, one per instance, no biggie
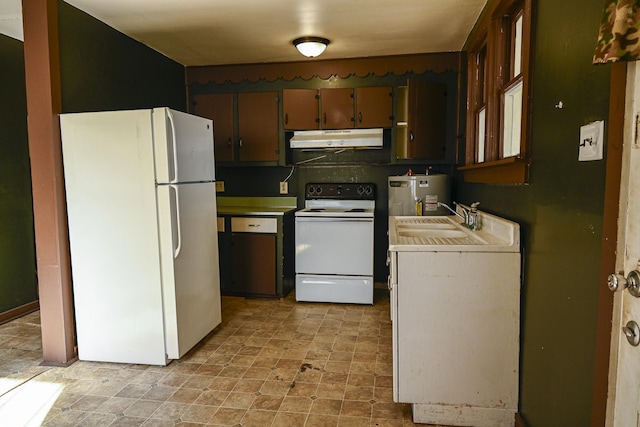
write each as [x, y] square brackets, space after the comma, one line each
[174, 146]
[175, 206]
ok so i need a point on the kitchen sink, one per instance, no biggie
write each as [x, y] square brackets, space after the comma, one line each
[455, 313]
[434, 232]
[432, 235]
[427, 226]
[446, 233]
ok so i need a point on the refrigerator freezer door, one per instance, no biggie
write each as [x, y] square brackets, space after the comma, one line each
[113, 232]
[189, 252]
[184, 147]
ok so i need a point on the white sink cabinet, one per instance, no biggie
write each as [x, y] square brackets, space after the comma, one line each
[455, 309]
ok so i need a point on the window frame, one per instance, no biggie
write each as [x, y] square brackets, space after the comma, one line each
[495, 35]
[477, 98]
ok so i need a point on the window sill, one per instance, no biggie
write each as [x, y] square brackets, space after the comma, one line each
[512, 170]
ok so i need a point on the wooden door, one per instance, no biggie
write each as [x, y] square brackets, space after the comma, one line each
[623, 405]
[300, 109]
[258, 126]
[426, 125]
[374, 107]
[254, 263]
[219, 108]
[337, 108]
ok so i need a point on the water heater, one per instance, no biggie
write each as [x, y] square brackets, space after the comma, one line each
[425, 190]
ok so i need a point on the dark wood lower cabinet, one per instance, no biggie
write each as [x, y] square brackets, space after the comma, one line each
[253, 270]
[256, 255]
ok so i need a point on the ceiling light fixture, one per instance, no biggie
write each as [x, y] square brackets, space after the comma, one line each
[311, 46]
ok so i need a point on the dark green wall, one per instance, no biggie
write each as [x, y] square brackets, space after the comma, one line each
[103, 69]
[18, 284]
[560, 213]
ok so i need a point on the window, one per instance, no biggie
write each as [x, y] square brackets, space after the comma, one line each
[497, 96]
[479, 98]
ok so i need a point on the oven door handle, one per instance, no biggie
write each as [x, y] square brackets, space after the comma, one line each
[333, 219]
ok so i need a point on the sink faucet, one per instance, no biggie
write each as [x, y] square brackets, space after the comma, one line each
[464, 217]
[465, 211]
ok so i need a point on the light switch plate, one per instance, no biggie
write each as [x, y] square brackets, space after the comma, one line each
[219, 186]
[591, 141]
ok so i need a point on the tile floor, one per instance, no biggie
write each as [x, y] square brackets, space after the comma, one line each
[271, 363]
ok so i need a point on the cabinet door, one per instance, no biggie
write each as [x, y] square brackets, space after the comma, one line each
[258, 126]
[300, 109]
[219, 108]
[374, 107]
[426, 125]
[254, 263]
[337, 108]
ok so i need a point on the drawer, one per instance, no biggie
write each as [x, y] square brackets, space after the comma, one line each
[254, 225]
[221, 224]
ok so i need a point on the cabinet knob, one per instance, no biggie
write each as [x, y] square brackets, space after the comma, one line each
[360, 117]
[240, 142]
[286, 118]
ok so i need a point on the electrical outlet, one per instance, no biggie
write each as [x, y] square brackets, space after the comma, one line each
[284, 187]
[219, 186]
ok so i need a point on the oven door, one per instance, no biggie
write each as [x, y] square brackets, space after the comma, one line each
[341, 246]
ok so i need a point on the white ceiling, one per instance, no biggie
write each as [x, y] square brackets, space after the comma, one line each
[214, 32]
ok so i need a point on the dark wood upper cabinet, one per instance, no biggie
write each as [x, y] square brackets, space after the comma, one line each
[426, 123]
[258, 133]
[219, 108]
[257, 138]
[337, 108]
[374, 107]
[300, 109]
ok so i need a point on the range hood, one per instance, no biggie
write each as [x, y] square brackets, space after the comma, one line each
[343, 138]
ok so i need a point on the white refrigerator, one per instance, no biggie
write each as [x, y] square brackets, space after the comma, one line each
[141, 202]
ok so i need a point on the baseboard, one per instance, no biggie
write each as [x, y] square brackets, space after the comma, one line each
[380, 285]
[14, 313]
[519, 421]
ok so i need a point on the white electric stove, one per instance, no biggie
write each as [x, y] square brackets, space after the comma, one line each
[334, 243]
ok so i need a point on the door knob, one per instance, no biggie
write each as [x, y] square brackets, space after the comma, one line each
[617, 282]
[632, 332]
[633, 283]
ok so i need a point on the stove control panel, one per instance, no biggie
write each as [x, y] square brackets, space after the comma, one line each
[345, 191]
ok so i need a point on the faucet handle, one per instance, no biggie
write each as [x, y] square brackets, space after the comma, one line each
[464, 209]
